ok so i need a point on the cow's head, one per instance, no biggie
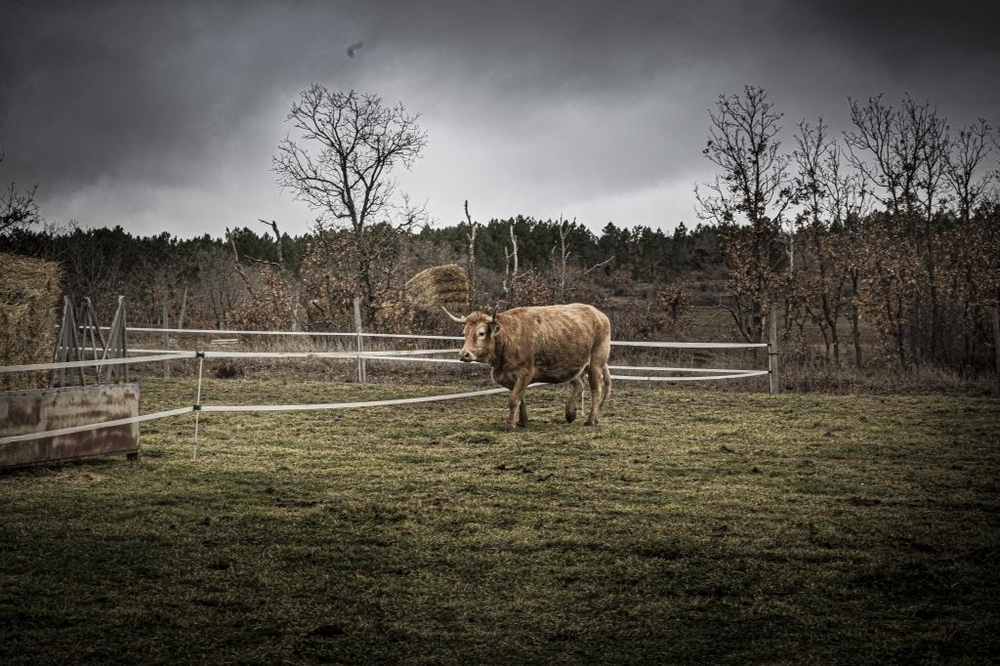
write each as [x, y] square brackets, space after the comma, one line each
[479, 331]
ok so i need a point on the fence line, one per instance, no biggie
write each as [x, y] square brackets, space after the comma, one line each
[374, 353]
[340, 334]
[657, 368]
[412, 356]
[692, 345]
[637, 378]
[328, 334]
[405, 355]
[348, 405]
[164, 356]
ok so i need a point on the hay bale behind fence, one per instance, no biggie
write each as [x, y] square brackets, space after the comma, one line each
[29, 298]
[422, 297]
[438, 285]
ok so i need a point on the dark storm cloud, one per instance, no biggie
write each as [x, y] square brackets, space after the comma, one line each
[164, 115]
[133, 90]
[909, 36]
[946, 54]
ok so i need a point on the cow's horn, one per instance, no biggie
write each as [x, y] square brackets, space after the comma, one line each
[460, 320]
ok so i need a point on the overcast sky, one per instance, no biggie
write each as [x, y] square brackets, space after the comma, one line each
[164, 116]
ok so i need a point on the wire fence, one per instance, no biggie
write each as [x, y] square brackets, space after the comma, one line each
[645, 373]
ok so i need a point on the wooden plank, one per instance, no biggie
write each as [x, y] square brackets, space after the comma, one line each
[23, 412]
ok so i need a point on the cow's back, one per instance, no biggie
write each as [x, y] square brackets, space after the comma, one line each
[558, 340]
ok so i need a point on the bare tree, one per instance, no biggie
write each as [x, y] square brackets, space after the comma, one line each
[566, 279]
[878, 154]
[471, 235]
[847, 204]
[564, 252]
[17, 209]
[753, 187]
[358, 141]
[900, 152]
[924, 274]
[821, 286]
[965, 160]
[510, 269]
[743, 142]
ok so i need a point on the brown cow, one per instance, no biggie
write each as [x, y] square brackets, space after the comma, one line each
[552, 344]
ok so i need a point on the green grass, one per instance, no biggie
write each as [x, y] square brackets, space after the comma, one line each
[689, 527]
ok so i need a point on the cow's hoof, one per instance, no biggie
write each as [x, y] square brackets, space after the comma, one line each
[591, 422]
[508, 427]
[570, 416]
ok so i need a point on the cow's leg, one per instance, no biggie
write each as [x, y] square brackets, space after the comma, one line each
[516, 404]
[596, 377]
[575, 389]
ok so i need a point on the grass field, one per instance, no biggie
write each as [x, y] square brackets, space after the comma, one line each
[689, 527]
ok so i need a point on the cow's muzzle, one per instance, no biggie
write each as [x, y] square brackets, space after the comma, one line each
[466, 356]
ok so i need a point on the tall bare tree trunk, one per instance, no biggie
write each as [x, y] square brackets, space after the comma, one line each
[472, 256]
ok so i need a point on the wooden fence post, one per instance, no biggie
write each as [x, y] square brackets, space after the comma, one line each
[772, 350]
[361, 348]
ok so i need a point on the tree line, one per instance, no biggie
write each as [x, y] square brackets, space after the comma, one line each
[265, 278]
[896, 223]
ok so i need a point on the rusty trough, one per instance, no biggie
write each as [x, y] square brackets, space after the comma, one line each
[23, 412]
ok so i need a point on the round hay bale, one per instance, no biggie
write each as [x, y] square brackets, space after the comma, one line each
[29, 296]
[438, 285]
